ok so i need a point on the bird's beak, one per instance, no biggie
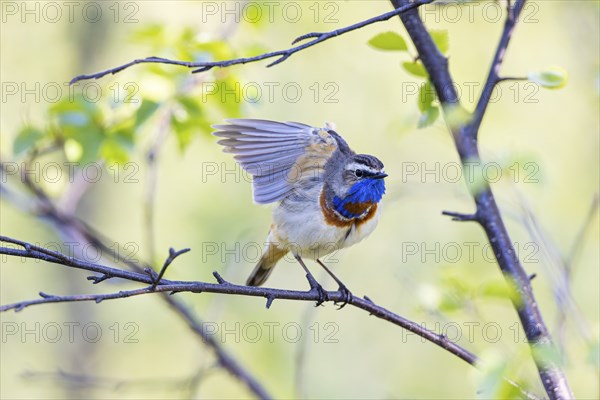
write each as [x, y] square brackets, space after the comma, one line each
[380, 175]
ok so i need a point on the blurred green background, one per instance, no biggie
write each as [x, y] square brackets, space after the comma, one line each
[417, 263]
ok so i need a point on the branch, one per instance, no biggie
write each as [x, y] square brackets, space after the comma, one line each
[222, 286]
[487, 212]
[172, 256]
[317, 37]
[493, 77]
[147, 275]
[63, 222]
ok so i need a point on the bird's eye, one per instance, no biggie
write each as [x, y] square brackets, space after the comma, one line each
[358, 173]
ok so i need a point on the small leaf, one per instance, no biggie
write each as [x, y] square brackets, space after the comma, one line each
[440, 38]
[426, 96]
[499, 289]
[90, 138]
[147, 108]
[113, 152]
[26, 139]
[551, 78]
[428, 117]
[388, 41]
[429, 111]
[415, 68]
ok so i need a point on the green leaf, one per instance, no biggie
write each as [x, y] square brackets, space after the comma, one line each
[89, 137]
[428, 117]
[499, 289]
[426, 96]
[388, 41]
[147, 108]
[551, 78]
[441, 39]
[190, 105]
[26, 139]
[415, 68]
[113, 152]
[429, 111]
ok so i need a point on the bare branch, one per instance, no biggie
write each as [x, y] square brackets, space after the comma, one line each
[222, 286]
[62, 222]
[456, 216]
[493, 77]
[281, 54]
[172, 256]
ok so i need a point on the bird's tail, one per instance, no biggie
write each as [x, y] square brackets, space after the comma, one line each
[265, 265]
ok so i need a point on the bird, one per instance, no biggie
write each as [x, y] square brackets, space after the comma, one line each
[328, 196]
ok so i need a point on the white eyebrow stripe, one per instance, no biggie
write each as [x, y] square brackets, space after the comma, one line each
[363, 167]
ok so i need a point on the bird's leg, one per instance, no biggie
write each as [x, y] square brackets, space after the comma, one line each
[313, 283]
[342, 288]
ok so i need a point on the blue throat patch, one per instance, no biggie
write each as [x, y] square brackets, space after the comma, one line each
[365, 191]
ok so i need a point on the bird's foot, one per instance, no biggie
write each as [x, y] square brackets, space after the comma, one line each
[314, 285]
[347, 296]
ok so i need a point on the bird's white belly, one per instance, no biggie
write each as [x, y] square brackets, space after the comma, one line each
[307, 234]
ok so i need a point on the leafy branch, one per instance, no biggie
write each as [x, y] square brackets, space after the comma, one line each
[465, 129]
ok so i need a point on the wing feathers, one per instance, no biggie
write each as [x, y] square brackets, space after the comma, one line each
[269, 150]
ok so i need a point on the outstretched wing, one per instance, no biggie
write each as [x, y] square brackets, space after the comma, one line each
[278, 155]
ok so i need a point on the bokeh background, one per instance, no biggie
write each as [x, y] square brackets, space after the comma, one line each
[417, 263]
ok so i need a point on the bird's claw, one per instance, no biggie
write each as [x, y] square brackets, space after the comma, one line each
[314, 285]
[347, 296]
[323, 296]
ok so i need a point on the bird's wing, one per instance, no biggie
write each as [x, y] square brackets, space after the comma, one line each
[279, 155]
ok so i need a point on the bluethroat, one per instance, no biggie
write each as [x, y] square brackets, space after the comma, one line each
[328, 195]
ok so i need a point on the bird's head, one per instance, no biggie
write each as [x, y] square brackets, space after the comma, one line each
[356, 179]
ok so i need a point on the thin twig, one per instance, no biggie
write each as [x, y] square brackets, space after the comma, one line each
[172, 256]
[493, 77]
[317, 37]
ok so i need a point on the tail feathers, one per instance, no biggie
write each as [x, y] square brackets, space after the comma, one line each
[265, 266]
